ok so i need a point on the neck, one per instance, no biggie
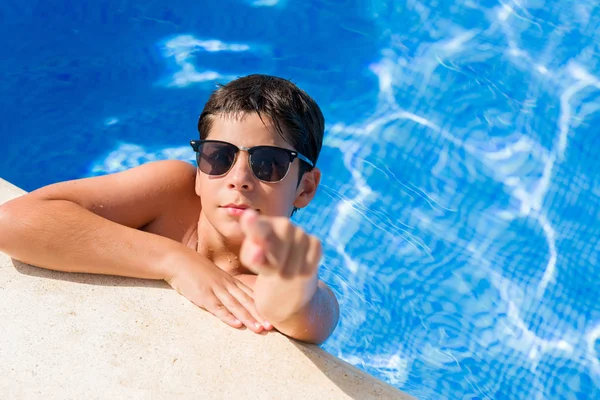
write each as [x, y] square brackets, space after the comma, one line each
[222, 251]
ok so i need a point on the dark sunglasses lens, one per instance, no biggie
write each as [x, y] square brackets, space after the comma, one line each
[270, 164]
[215, 158]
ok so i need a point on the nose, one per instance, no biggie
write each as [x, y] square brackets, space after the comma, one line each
[240, 176]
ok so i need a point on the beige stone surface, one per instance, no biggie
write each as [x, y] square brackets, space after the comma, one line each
[72, 336]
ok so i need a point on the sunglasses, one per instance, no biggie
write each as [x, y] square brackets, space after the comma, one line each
[268, 163]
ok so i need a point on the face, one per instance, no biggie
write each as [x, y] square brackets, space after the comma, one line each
[240, 188]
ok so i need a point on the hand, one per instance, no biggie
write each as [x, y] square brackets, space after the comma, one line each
[214, 290]
[275, 246]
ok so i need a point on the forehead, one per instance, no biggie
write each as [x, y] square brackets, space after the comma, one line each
[246, 130]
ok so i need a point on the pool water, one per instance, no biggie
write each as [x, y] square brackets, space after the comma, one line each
[460, 200]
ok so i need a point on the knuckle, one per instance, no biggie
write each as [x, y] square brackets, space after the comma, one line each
[305, 241]
[267, 227]
[219, 310]
[291, 230]
[318, 246]
[244, 289]
[245, 300]
[237, 296]
[205, 298]
[298, 234]
[205, 293]
[231, 303]
[315, 251]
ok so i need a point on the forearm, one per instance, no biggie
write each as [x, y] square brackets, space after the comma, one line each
[63, 236]
[302, 308]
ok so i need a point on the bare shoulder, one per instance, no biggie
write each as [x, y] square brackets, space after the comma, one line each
[134, 197]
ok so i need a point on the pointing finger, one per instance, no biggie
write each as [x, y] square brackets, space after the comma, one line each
[254, 227]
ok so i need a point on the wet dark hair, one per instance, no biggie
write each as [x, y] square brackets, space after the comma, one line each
[293, 113]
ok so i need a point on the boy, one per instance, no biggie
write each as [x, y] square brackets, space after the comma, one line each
[220, 233]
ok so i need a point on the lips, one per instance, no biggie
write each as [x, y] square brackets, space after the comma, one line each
[237, 206]
[237, 209]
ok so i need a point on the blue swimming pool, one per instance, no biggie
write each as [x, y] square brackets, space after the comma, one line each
[460, 205]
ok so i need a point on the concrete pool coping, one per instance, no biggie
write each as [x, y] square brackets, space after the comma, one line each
[67, 335]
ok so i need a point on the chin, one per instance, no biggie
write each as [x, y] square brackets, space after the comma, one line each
[231, 232]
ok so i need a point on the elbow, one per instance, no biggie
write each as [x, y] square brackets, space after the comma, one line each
[318, 321]
[331, 313]
[315, 334]
[13, 213]
[317, 338]
[7, 211]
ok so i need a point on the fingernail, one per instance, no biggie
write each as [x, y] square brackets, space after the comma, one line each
[258, 325]
[237, 321]
[266, 324]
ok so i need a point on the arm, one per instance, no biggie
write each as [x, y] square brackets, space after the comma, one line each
[96, 226]
[304, 309]
[287, 291]
[61, 235]
[91, 225]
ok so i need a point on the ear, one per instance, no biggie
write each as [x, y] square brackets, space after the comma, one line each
[307, 188]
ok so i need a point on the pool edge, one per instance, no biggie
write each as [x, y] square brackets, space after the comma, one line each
[98, 336]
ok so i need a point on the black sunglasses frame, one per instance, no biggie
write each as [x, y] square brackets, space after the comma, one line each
[293, 155]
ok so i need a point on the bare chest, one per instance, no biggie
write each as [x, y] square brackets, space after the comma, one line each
[180, 223]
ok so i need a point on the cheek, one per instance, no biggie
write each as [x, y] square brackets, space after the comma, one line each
[281, 200]
[205, 188]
